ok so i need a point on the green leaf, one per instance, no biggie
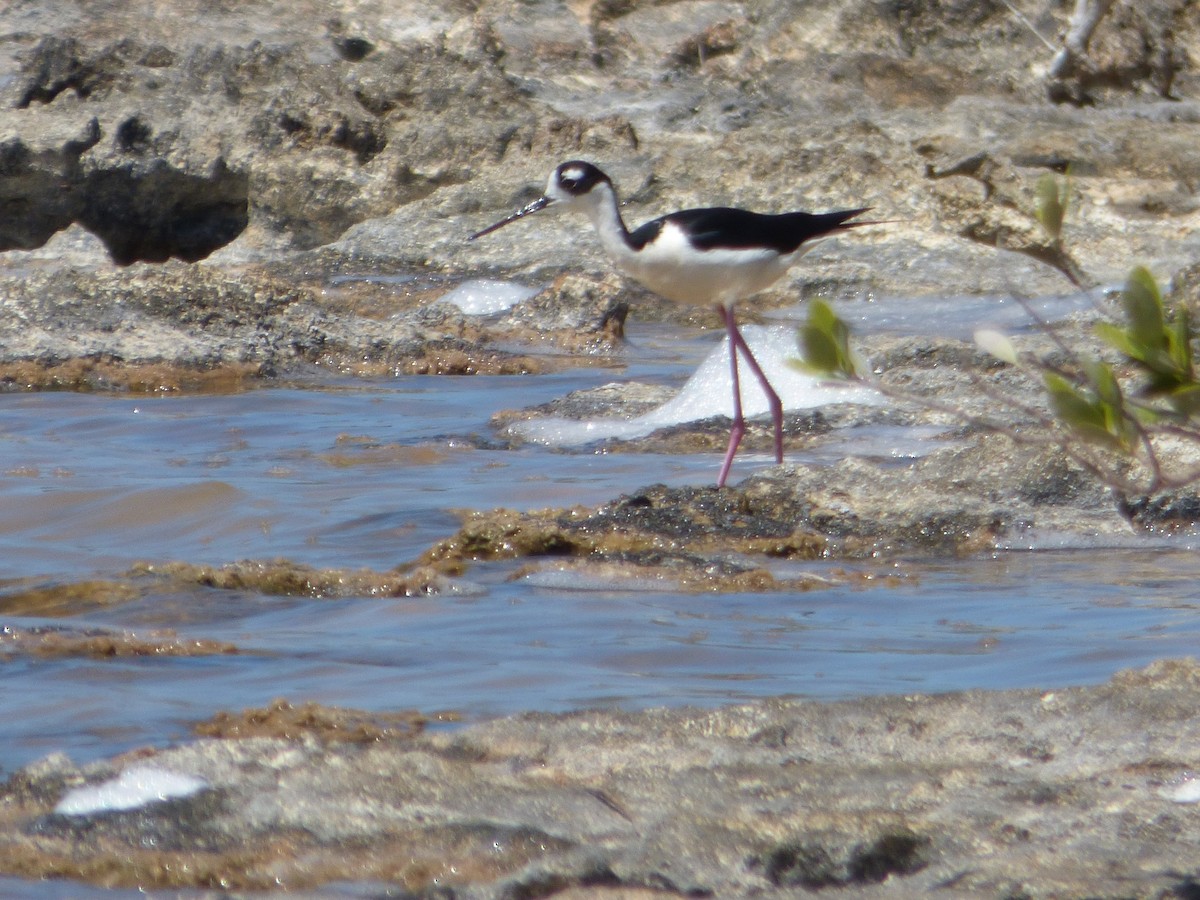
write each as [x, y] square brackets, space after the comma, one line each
[825, 344]
[1144, 310]
[819, 349]
[1180, 342]
[1104, 382]
[1161, 348]
[1185, 400]
[1092, 419]
[1070, 405]
[821, 315]
[1117, 338]
[1051, 207]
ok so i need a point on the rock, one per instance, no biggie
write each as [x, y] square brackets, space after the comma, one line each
[1072, 792]
[172, 136]
[242, 137]
[236, 192]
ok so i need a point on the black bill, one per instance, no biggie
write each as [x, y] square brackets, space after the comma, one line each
[539, 203]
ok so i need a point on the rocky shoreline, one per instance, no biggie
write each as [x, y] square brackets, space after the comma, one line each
[1055, 793]
[235, 195]
[382, 159]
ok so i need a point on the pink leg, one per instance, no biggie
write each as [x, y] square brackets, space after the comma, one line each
[736, 343]
[739, 422]
[773, 401]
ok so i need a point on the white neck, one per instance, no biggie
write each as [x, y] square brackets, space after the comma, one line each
[600, 206]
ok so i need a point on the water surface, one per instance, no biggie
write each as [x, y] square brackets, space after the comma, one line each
[359, 474]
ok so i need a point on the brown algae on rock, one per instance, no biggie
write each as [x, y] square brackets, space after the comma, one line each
[57, 643]
[281, 719]
[288, 579]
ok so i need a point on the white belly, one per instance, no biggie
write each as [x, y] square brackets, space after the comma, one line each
[675, 270]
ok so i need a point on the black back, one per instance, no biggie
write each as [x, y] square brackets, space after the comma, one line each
[739, 229]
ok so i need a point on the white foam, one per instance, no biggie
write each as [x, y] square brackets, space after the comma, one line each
[1184, 790]
[709, 392]
[486, 297]
[136, 786]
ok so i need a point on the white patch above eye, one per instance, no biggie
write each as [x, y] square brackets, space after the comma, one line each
[571, 175]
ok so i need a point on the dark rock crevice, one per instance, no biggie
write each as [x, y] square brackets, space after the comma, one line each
[164, 213]
[145, 213]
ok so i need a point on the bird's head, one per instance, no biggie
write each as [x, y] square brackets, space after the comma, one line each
[576, 185]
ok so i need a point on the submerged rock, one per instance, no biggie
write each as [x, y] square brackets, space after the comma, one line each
[966, 498]
[60, 642]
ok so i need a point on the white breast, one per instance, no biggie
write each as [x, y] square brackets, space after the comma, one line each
[670, 266]
[673, 268]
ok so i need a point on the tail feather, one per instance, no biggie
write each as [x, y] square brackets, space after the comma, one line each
[805, 227]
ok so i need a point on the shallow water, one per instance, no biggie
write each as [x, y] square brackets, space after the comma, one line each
[366, 474]
[958, 317]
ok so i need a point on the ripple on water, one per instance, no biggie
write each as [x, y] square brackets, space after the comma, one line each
[367, 475]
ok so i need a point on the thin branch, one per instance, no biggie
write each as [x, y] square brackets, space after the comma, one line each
[1020, 17]
[1049, 434]
[1045, 327]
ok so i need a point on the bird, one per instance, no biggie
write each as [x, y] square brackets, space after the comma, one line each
[707, 256]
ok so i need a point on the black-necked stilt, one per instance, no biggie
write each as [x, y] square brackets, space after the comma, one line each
[716, 255]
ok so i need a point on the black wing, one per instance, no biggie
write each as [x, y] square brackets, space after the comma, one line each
[738, 229]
